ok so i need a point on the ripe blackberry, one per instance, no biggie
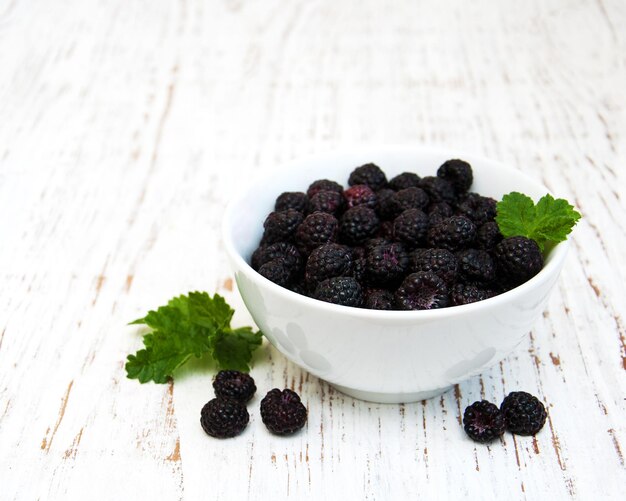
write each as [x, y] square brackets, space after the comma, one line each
[518, 259]
[476, 266]
[523, 413]
[411, 227]
[369, 174]
[358, 224]
[408, 198]
[281, 226]
[276, 272]
[422, 291]
[323, 185]
[327, 261]
[327, 201]
[386, 264]
[438, 189]
[468, 293]
[360, 194]
[441, 262]
[437, 212]
[280, 250]
[345, 291]
[378, 299]
[295, 200]
[404, 180]
[385, 230]
[454, 233]
[483, 421]
[488, 236]
[479, 209]
[316, 229]
[224, 417]
[282, 412]
[458, 173]
[234, 384]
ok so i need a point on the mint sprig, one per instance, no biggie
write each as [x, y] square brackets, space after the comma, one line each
[188, 326]
[547, 223]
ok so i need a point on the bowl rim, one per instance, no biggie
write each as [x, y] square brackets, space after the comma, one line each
[551, 267]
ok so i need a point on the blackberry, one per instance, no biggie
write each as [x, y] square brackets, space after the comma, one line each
[327, 261]
[360, 194]
[327, 201]
[316, 229]
[369, 174]
[378, 299]
[488, 236]
[224, 417]
[437, 212]
[276, 272]
[282, 412]
[345, 291]
[523, 413]
[441, 262]
[466, 294]
[409, 198]
[454, 233]
[234, 384]
[411, 227]
[281, 226]
[422, 291]
[404, 180]
[519, 259]
[458, 173]
[295, 200]
[386, 264]
[483, 421]
[323, 185]
[385, 230]
[358, 224]
[476, 266]
[438, 189]
[479, 209]
[284, 251]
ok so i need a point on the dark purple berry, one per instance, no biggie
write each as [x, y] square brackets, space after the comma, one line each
[280, 250]
[224, 417]
[466, 294]
[282, 412]
[408, 198]
[369, 174]
[316, 229]
[523, 413]
[476, 266]
[411, 228]
[327, 261]
[483, 421]
[276, 272]
[327, 201]
[345, 291]
[454, 233]
[323, 185]
[488, 236]
[360, 194]
[234, 384]
[281, 226]
[441, 262]
[358, 224]
[479, 209]
[378, 299]
[295, 200]
[422, 291]
[438, 189]
[404, 180]
[518, 259]
[386, 264]
[458, 173]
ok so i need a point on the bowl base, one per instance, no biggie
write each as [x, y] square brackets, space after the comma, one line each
[390, 398]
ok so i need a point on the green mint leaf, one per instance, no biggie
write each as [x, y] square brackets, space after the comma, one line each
[232, 348]
[187, 326]
[548, 222]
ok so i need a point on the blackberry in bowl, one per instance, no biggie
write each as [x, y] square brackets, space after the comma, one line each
[369, 330]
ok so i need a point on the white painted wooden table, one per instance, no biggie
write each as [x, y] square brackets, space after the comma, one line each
[124, 128]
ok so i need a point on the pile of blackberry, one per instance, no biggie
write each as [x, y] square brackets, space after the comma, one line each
[407, 243]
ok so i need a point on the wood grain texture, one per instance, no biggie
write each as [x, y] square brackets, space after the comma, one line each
[126, 126]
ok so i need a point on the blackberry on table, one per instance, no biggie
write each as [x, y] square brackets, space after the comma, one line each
[316, 229]
[284, 251]
[404, 180]
[323, 185]
[518, 259]
[224, 417]
[234, 384]
[327, 201]
[369, 174]
[358, 224]
[476, 265]
[454, 233]
[488, 235]
[438, 189]
[483, 421]
[441, 262]
[458, 173]
[327, 261]
[280, 226]
[422, 291]
[378, 299]
[523, 413]
[295, 200]
[283, 412]
[386, 264]
[345, 291]
[360, 194]
[468, 293]
[411, 227]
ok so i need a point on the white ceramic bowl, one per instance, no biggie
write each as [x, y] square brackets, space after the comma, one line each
[384, 356]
